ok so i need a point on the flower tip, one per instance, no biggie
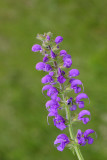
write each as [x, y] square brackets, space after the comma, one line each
[58, 39]
[36, 48]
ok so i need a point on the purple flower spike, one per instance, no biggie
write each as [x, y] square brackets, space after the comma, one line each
[58, 84]
[53, 55]
[59, 122]
[48, 68]
[40, 66]
[58, 39]
[84, 119]
[73, 108]
[47, 79]
[62, 140]
[36, 48]
[73, 73]
[61, 79]
[63, 53]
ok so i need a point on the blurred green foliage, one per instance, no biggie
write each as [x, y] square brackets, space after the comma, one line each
[24, 133]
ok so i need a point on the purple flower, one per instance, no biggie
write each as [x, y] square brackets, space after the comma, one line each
[63, 53]
[80, 138]
[46, 87]
[48, 37]
[83, 138]
[67, 62]
[47, 79]
[45, 59]
[74, 85]
[69, 101]
[58, 39]
[84, 119]
[79, 97]
[62, 140]
[36, 48]
[40, 66]
[59, 122]
[52, 91]
[66, 56]
[87, 132]
[60, 72]
[52, 111]
[58, 99]
[61, 79]
[88, 138]
[54, 95]
[52, 103]
[51, 73]
[53, 55]
[77, 89]
[73, 108]
[48, 67]
[73, 73]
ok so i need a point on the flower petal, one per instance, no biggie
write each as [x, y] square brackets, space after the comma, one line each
[36, 48]
[88, 131]
[81, 96]
[83, 113]
[63, 53]
[90, 140]
[58, 39]
[75, 83]
[73, 73]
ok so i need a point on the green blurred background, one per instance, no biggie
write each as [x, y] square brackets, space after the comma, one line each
[24, 133]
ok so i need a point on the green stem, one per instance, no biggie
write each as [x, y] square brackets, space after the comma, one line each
[77, 150]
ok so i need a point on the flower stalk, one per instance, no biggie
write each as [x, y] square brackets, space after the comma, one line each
[58, 83]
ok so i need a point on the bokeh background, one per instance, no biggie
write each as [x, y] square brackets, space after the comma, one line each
[24, 133]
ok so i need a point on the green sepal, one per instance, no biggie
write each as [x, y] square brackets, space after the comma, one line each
[41, 37]
[50, 34]
[54, 48]
[71, 146]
